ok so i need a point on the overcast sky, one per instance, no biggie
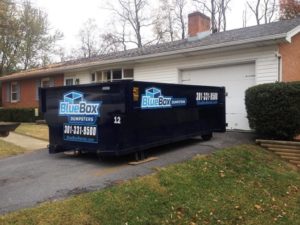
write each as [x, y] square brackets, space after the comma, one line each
[69, 15]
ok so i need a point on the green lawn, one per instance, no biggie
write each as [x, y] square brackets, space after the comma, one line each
[39, 131]
[240, 185]
[8, 149]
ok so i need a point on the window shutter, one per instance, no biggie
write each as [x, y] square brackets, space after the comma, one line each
[38, 85]
[8, 92]
[18, 92]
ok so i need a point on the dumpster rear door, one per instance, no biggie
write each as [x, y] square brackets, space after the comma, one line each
[82, 116]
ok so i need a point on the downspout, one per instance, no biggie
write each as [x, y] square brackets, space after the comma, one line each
[279, 66]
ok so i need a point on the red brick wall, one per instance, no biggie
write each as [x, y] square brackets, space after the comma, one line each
[27, 92]
[290, 53]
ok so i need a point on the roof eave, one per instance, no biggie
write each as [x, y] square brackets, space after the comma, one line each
[292, 33]
[53, 71]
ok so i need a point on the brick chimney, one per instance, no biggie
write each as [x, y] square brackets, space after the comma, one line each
[197, 22]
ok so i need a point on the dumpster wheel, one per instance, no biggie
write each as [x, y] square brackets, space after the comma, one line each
[77, 152]
[4, 134]
[206, 137]
[140, 155]
[100, 156]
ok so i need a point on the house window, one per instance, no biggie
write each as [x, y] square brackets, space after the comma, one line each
[103, 76]
[93, 77]
[69, 82]
[128, 73]
[45, 82]
[108, 75]
[72, 81]
[15, 92]
[115, 74]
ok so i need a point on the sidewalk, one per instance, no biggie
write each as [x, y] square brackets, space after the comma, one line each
[26, 142]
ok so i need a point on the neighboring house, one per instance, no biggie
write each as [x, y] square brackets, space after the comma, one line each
[236, 59]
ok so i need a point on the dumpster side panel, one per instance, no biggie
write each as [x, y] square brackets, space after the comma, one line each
[127, 116]
[164, 113]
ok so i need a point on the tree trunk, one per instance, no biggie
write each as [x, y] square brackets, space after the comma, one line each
[213, 16]
[138, 25]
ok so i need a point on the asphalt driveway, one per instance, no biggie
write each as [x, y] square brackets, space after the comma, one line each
[26, 180]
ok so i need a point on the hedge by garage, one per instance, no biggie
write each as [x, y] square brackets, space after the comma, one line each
[274, 110]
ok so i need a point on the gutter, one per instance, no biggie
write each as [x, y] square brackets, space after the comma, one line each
[51, 71]
[292, 33]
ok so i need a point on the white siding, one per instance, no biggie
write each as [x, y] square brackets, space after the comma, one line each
[164, 71]
[267, 69]
[169, 71]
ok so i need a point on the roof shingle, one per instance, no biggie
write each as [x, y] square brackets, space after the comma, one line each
[231, 36]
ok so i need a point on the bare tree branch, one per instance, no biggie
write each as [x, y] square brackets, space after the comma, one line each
[133, 12]
[217, 10]
[263, 10]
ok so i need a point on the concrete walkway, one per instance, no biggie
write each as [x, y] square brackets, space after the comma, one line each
[26, 142]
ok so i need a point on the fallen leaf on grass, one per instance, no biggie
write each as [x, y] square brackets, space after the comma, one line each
[257, 207]
[222, 173]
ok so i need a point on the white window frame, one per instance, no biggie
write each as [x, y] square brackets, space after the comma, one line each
[45, 79]
[123, 72]
[69, 78]
[112, 74]
[100, 74]
[16, 92]
[95, 75]
[75, 81]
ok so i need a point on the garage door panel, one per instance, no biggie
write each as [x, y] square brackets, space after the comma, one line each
[236, 79]
[235, 122]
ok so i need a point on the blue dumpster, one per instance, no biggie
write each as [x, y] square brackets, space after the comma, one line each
[122, 117]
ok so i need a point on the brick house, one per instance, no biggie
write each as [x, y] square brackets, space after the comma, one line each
[236, 59]
[22, 92]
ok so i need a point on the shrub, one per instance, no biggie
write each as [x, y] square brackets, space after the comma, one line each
[0, 94]
[18, 115]
[274, 110]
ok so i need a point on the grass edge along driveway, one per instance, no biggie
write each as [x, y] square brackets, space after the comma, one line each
[39, 131]
[239, 185]
[8, 149]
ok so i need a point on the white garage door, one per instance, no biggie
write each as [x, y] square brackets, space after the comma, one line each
[236, 79]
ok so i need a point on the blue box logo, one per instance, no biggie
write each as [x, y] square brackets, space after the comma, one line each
[73, 103]
[73, 97]
[153, 92]
[154, 99]
[82, 118]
